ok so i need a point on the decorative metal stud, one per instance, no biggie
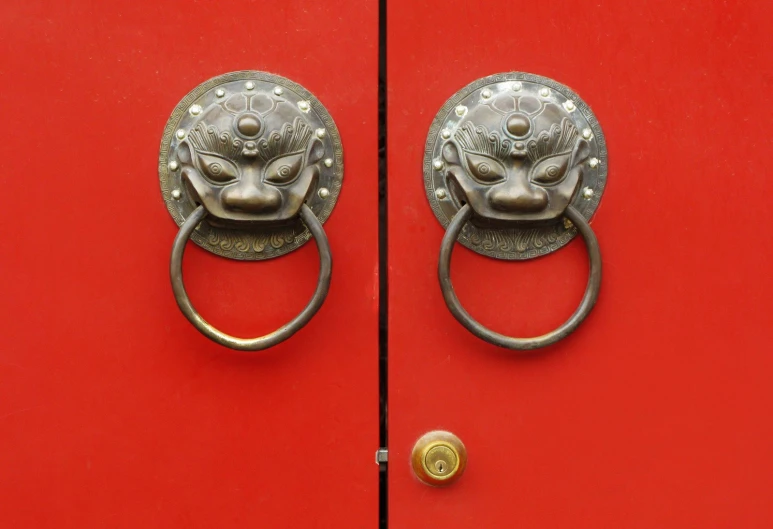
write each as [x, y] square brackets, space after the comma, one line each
[328, 162]
[220, 92]
[486, 94]
[304, 106]
[437, 164]
[593, 162]
[278, 91]
[180, 134]
[176, 194]
[323, 192]
[587, 133]
[320, 133]
[249, 85]
[445, 134]
[173, 165]
[517, 86]
[461, 110]
[587, 192]
[544, 92]
[440, 193]
[569, 106]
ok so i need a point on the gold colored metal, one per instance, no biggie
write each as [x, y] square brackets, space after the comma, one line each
[439, 458]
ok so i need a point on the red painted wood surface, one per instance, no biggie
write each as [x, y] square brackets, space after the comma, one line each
[657, 411]
[114, 411]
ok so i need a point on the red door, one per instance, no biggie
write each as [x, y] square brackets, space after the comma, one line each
[656, 411]
[114, 411]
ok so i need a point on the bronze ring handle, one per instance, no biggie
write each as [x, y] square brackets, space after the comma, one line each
[520, 344]
[271, 339]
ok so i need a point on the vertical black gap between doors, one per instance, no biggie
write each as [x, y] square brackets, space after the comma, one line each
[382, 256]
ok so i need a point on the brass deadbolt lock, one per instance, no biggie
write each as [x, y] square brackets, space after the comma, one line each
[439, 458]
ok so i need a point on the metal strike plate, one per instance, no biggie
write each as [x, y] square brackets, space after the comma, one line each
[252, 148]
[518, 148]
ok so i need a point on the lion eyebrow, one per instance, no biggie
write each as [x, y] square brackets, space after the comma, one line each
[212, 140]
[559, 139]
[480, 140]
[291, 138]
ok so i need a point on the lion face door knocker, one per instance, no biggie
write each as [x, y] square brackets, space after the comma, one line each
[515, 166]
[250, 167]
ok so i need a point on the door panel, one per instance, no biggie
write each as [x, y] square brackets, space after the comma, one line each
[655, 412]
[114, 410]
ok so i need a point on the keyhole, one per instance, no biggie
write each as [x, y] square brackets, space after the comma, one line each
[440, 466]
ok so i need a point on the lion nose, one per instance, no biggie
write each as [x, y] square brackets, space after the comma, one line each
[519, 200]
[249, 198]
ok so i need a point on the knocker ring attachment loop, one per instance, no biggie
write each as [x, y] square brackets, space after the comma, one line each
[281, 334]
[514, 167]
[520, 344]
[250, 166]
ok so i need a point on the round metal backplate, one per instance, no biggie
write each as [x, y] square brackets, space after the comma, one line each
[276, 101]
[497, 93]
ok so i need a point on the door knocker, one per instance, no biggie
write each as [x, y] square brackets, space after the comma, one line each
[251, 166]
[514, 167]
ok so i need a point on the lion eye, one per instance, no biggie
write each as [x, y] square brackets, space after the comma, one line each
[551, 170]
[485, 169]
[284, 170]
[216, 169]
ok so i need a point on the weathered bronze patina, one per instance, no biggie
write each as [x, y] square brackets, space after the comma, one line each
[514, 167]
[250, 167]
